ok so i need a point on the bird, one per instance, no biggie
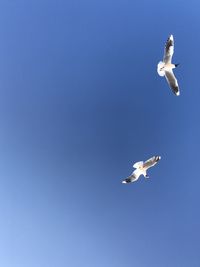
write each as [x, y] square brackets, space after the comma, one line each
[165, 67]
[141, 169]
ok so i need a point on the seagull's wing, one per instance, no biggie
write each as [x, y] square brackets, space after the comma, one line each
[169, 50]
[149, 163]
[132, 178]
[172, 81]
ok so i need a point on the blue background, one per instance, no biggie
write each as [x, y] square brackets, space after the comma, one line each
[80, 102]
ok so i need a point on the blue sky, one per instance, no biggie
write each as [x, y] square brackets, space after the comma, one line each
[80, 102]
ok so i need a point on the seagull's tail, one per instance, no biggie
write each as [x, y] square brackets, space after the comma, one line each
[159, 68]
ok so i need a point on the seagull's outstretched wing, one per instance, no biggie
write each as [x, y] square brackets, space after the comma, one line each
[151, 162]
[172, 81]
[130, 179]
[133, 177]
[169, 50]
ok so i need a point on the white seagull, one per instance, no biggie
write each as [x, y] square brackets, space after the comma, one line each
[165, 67]
[141, 169]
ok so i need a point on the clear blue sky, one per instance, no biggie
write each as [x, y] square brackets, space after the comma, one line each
[80, 102]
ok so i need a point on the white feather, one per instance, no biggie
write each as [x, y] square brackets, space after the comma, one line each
[161, 71]
[138, 164]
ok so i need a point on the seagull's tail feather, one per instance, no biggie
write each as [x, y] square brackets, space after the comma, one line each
[159, 68]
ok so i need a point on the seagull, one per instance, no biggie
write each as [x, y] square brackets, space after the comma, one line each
[165, 67]
[141, 169]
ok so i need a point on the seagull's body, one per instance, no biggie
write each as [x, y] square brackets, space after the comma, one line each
[141, 169]
[165, 67]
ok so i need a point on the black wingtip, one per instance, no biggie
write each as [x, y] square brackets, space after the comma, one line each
[176, 91]
[126, 181]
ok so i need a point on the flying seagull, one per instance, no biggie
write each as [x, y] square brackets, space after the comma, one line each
[165, 67]
[141, 169]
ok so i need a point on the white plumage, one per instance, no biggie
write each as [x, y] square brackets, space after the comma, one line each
[141, 169]
[165, 67]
